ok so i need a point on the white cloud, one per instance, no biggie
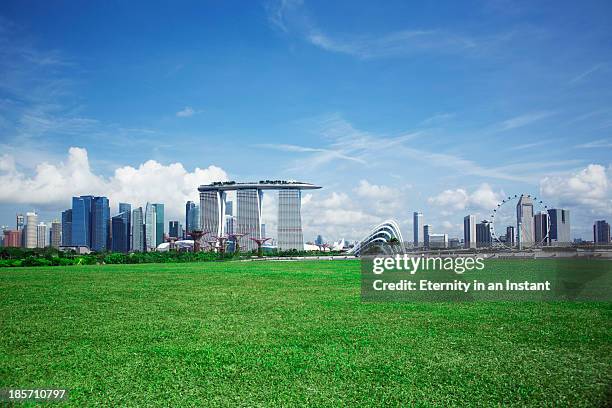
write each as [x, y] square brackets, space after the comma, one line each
[590, 188]
[523, 120]
[335, 216]
[375, 192]
[460, 199]
[186, 112]
[405, 42]
[596, 144]
[53, 184]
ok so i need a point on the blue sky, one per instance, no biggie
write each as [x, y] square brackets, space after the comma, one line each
[442, 107]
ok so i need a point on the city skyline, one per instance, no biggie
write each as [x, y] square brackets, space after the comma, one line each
[92, 225]
[394, 110]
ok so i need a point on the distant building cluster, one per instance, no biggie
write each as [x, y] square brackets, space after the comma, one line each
[89, 226]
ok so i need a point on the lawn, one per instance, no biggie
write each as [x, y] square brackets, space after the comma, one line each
[288, 333]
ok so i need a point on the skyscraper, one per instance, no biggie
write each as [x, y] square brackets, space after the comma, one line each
[290, 235]
[194, 218]
[67, 227]
[559, 226]
[601, 232]
[150, 227]
[229, 208]
[483, 234]
[469, 231]
[159, 224]
[127, 208]
[189, 206]
[81, 221]
[524, 221]
[100, 224]
[541, 224]
[41, 235]
[426, 234]
[138, 238]
[230, 224]
[417, 222]
[20, 222]
[510, 236]
[31, 233]
[249, 215]
[56, 234]
[173, 229]
[212, 211]
[121, 233]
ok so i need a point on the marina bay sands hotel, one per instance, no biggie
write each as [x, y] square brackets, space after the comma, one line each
[249, 205]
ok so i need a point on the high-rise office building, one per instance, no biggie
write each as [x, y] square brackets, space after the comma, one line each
[120, 225]
[173, 229]
[159, 224]
[127, 208]
[189, 207]
[483, 234]
[559, 226]
[230, 224]
[100, 224]
[510, 236]
[20, 222]
[417, 225]
[426, 234]
[67, 227]
[31, 233]
[541, 226]
[81, 221]
[150, 228]
[56, 234]
[469, 231]
[41, 235]
[601, 232]
[138, 237]
[524, 221]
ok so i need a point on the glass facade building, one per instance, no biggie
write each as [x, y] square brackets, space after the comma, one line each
[127, 208]
[559, 226]
[524, 221]
[417, 225]
[469, 231]
[138, 238]
[67, 227]
[81, 221]
[100, 224]
[121, 232]
[150, 227]
[159, 224]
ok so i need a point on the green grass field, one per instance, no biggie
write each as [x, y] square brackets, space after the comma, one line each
[288, 333]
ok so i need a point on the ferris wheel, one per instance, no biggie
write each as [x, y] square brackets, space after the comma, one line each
[530, 230]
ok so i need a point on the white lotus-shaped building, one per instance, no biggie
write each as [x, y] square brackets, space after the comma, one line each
[380, 235]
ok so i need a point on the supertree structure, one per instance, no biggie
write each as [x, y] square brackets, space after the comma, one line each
[259, 242]
[197, 235]
[236, 238]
